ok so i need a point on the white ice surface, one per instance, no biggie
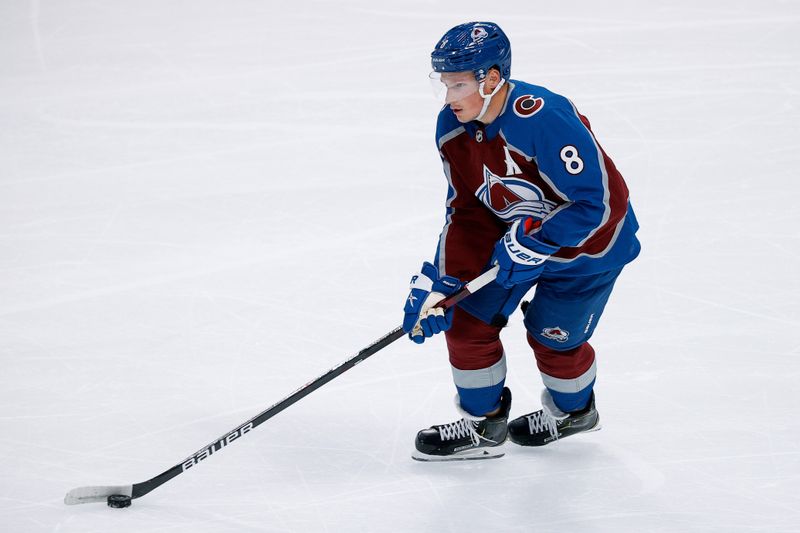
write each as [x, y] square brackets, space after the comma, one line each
[205, 204]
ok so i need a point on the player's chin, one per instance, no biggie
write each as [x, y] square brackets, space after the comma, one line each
[462, 115]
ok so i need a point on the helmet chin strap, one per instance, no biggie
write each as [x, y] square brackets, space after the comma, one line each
[487, 98]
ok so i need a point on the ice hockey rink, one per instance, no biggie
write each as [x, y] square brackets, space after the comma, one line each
[204, 205]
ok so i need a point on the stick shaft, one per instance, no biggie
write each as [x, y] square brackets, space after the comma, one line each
[140, 489]
[137, 490]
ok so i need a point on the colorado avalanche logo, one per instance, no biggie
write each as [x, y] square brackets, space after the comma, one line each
[527, 106]
[511, 198]
[557, 334]
[478, 34]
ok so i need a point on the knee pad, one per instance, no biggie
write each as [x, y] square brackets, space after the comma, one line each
[472, 343]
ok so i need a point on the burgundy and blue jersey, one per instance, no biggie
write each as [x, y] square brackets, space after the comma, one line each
[538, 158]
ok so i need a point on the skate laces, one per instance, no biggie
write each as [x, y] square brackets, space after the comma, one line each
[460, 429]
[541, 421]
[548, 418]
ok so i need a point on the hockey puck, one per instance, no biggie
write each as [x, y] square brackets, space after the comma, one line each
[119, 501]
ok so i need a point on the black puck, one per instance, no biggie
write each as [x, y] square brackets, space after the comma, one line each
[119, 501]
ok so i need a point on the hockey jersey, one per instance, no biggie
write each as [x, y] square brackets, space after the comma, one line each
[538, 158]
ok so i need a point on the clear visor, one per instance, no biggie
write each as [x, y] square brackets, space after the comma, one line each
[451, 87]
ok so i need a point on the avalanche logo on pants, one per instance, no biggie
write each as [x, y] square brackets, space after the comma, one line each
[511, 198]
[556, 334]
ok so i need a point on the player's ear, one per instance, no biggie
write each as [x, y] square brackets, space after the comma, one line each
[492, 78]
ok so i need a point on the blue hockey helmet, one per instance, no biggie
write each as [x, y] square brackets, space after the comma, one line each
[475, 46]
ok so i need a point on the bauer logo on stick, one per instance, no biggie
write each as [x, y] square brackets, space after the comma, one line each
[208, 451]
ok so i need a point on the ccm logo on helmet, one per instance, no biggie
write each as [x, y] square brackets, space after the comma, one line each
[526, 106]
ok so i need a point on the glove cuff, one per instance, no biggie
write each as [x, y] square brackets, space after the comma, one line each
[520, 253]
[540, 247]
[429, 280]
[447, 285]
[421, 282]
[525, 249]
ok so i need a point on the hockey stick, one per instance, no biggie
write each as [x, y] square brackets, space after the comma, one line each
[137, 490]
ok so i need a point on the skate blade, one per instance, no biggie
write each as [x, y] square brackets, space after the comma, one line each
[469, 455]
[596, 427]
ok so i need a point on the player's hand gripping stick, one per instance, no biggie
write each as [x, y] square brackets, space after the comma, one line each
[423, 316]
[519, 255]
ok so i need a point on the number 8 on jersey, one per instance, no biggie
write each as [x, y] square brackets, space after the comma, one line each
[573, 163]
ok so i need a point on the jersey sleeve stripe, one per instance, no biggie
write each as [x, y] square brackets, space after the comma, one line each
[441, 259]
[608, 247]
[601, 160]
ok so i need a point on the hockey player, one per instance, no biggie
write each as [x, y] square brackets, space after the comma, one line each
[530, 190]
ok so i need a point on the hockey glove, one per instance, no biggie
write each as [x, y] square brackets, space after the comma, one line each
[422, 319]
[519, 255]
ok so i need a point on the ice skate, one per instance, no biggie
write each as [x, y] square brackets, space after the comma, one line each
[468, 438]
[550, 423]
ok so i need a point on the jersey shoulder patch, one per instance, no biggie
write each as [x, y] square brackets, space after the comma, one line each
[528, 100]
[527, 105]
